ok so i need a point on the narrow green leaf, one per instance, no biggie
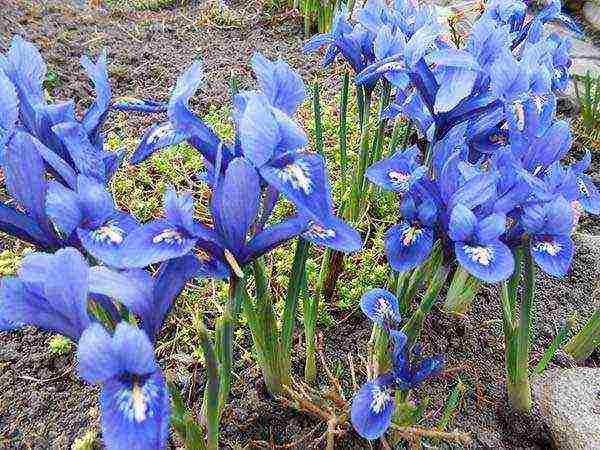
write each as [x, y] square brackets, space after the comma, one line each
[318, 119]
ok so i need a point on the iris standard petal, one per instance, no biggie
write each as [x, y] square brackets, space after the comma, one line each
[179, 209]
[372, 408]
[25, 177]
[381, 306]
[62, 206]
[58, 167]
[553, 254]
[134, 350]
[86, 157]
[9, 110]
[462, 223]
[66, 287]
[455, 85]
[95, 201]
[258, 131]
[281, 85]
[154, 242]
[98, 74]
[491, 227]
[237, 203]
[491, 262]
[407, 245]
[20, 225]
[96, 362]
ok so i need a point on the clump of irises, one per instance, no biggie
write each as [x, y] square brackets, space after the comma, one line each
[486, 183]
[112, 281]
[374, 405]
[484, 196]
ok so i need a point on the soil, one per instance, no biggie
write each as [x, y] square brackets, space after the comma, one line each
[43, 405]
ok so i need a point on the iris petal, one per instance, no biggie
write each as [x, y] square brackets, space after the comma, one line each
[491, 262]
[407, 245]
[372, 408]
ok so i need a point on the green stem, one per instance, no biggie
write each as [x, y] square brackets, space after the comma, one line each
[211, 393]
[343, 131]
[378, 147]
[519, 390]
[225, 334]
[310, 310]
[291, 306]
[362, 162]
[585, 342]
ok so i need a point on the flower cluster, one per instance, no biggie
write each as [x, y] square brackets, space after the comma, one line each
[38, 140]
[57, 171]
[491, 178]
[373, 406]
[268, 160]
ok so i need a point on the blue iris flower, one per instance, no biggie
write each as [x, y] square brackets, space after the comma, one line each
[477, 244]
[134, 396]
[374, 404]
[87, 217]
[399, 172]
[588, 197]
[409, 243]
[56, 292]
[25, 69]
[51, 292]
[341, 40]
[549, 226]
[381, 306]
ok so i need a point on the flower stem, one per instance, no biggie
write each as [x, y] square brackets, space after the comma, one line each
[225, 326]
[211, 393]
[585, 342]
[518, 333]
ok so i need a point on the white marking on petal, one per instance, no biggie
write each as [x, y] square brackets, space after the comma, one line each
[399, 179]
[319, 232]
[109, 232]
[410, 234]
[383, 308]
[169, 236]
[134, 402]
[297, 174]
[479, 254]
[381, 397]
[160, 132]
[520, 113]
[548, 246]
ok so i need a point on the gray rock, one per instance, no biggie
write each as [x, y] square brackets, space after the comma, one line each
[568, 401]
[591, 12]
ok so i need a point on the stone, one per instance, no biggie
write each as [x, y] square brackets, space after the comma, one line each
[591, 12]
[568, 402]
